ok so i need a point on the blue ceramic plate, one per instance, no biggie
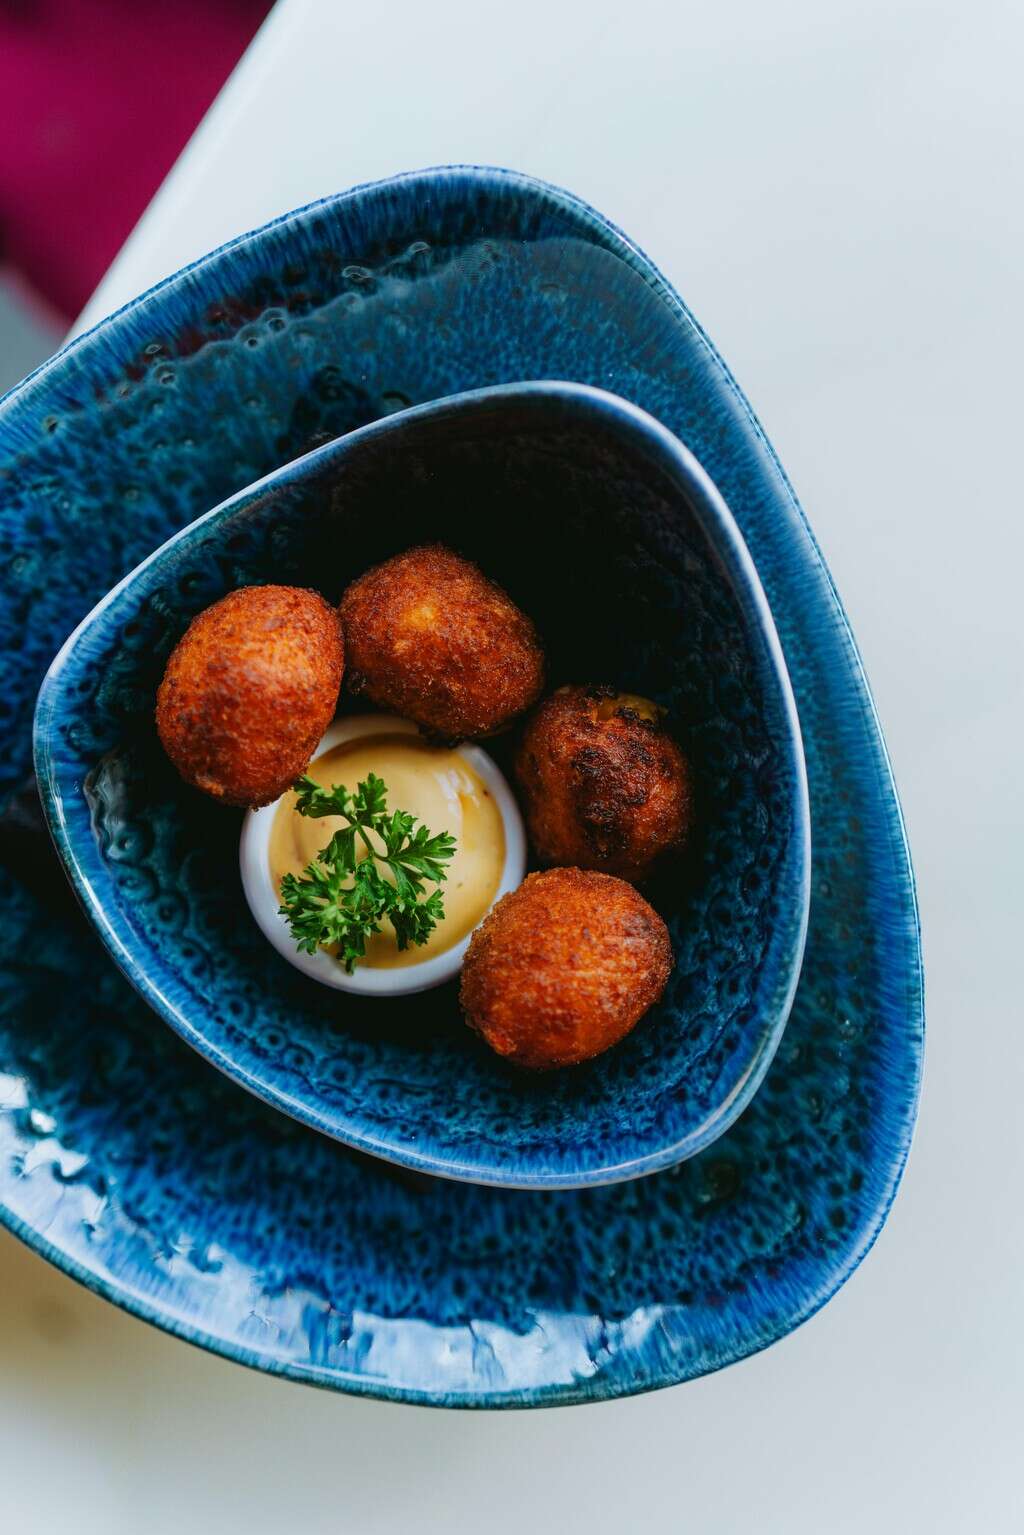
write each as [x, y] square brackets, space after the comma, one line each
[139, 1168]
[609, 535]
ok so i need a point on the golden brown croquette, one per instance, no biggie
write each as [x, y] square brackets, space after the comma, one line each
[429, 636]
[249, 690]
[564, 967]
[604, 785]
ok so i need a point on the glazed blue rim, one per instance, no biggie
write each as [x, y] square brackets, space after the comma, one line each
[70, 825]
[898, 902]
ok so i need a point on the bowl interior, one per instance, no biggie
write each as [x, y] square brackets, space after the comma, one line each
[605, 531]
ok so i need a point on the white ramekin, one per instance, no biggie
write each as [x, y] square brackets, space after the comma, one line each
[254, 857]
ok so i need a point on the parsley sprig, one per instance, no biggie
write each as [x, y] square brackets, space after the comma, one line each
[342, 897]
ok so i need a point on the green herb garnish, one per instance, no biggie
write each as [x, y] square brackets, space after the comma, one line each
[343, 897]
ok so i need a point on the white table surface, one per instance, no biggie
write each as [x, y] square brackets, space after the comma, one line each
[835, 189]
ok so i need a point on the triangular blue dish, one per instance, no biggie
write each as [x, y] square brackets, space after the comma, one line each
[139, 1169]
[615, 541]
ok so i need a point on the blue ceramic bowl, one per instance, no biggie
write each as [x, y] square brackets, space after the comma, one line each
[610, 535]
[147, 1174]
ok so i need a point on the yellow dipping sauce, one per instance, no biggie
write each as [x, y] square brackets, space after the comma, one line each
[438, 786]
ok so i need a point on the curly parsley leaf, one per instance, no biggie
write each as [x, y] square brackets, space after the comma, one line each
[343, 897]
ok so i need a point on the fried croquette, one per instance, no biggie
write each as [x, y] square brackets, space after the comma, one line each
[564, 967]
[605, 786]
[249, 690]
[429, 636]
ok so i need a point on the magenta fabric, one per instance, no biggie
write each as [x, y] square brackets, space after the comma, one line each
[97, 99]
